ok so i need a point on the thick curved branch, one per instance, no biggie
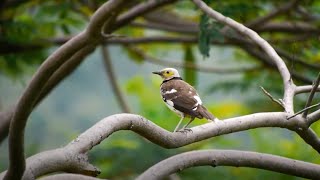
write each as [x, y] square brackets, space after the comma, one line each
[264, 45]
[310, 137]
[113, 82]
[30, 95]
[69, 177]
[233, 158]
[38, 165]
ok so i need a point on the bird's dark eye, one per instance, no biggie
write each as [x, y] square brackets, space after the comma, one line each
[167, 72]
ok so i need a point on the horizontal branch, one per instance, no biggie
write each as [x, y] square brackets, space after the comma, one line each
[304, 89]
[233, 158]
[38, 164]
[69, 177]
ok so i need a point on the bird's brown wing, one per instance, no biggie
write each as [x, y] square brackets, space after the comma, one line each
[183, 99]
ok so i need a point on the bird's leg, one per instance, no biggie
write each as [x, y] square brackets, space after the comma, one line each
[191, 119]
[175, 129]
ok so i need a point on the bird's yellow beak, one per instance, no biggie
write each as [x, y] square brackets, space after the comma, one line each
[157, 72]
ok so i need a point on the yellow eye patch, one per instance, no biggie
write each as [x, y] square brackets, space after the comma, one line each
[167, 73]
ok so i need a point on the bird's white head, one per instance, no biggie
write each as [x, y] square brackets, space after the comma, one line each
[167, 73]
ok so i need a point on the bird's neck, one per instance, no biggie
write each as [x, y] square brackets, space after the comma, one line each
[173, 78]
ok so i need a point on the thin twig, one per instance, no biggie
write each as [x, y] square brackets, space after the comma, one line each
[304, 110]
[112, 78]
[272, 98]
[313, 91]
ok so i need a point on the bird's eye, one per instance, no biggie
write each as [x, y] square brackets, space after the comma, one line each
[167, 72]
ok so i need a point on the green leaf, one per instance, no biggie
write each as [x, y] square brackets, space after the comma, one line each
[209, 30]
[190, 75]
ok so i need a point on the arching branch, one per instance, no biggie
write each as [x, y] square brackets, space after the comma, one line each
[263, 44]
[104, 128]
[69, 177]
[30, 95]
[216, 158]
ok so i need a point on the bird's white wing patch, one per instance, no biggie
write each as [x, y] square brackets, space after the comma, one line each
[199, 102]
[170, 103]
[170, 92]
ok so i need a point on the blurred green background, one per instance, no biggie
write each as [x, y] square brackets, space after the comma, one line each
[85, 97]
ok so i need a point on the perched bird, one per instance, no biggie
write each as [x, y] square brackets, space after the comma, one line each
[181, 97]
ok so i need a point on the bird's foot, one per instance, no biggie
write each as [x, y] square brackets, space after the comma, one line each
[184, 130]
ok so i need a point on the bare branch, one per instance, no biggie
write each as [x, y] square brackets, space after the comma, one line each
[201, 68]
[234, 158]
[69, 177]
[303, 110]
[112, 78]
[310, 137]
[30, 95]
[264, 45]
[39, 164]
[313, 117]
[305, 89]
[288, 27]
[272, 98]
[313, 91]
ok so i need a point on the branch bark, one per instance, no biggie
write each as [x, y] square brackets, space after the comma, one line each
[69, 177]
[264, 45]
[30, 95]
[216, 158]
[39, 164]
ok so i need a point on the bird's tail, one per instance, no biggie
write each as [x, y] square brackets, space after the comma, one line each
[205, 113]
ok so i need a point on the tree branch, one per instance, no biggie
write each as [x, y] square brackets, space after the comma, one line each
[234, 158]
[305, 89]
[113, 82]
[303, 110]
[272, 98]
[263, 44]
[30, 95]
[310, 137]
[38, 164]
[313, 117]
[68, 177]
[313, 91]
